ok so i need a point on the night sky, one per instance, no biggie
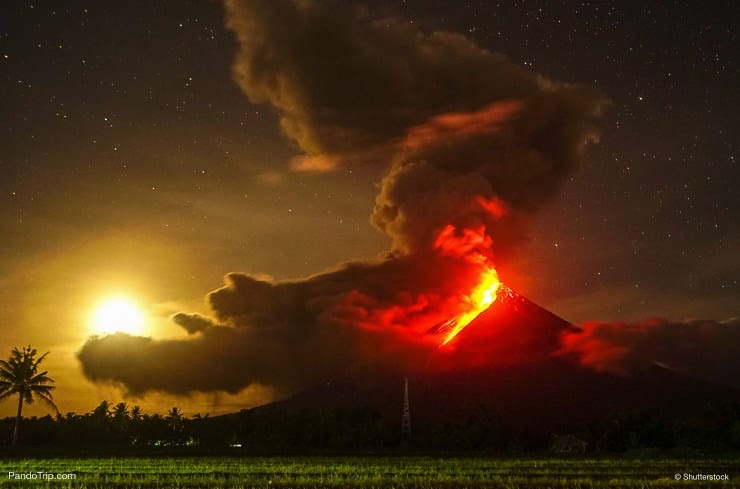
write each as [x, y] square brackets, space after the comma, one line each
[133, 163]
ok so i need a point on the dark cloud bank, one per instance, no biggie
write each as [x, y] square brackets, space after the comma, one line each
[474, 145]
[699, 348]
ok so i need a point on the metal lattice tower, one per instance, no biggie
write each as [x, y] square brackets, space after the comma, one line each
[406, 420]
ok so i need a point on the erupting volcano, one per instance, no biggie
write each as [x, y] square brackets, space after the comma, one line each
[472, 246]
[480, 299]
[472, 146]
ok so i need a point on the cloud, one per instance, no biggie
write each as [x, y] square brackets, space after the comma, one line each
[516, 153]
[343, 76]
[192, 323]
[291, 334]
[457, 122]
[218, 359]
[705, 349]
[474, 145]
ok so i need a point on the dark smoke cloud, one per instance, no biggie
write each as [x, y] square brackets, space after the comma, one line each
[345, 77]
[475, 145]
[291, 334]
[700, 348]
[192, 323]
[461, 121]
[516, 152]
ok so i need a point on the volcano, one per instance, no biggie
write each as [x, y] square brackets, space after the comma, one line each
[513, 330]
[512, 368]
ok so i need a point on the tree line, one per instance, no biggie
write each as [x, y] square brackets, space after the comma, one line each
[274, 428]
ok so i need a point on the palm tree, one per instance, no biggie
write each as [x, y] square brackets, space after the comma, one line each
[102, 411]
[174, 419]
[19, 375]
[136, 413]
[120, 412]
[121, 416]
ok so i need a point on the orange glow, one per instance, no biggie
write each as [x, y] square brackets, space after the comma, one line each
[470, 244]
[495, 206]
[480, 299]
[462, 124]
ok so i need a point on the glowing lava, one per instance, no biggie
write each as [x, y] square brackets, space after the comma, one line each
[480, 299]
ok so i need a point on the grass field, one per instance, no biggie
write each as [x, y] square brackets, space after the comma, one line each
[363, 472]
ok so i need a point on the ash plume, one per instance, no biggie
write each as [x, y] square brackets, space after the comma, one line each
[456, 120]
[473, 143]
[705, 349]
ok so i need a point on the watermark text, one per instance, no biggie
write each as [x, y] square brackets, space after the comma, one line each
[701, 477]
[41, 476]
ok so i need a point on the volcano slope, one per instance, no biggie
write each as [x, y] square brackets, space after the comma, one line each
[508, 362]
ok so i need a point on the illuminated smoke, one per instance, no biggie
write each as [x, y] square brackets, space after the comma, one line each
[700, 348]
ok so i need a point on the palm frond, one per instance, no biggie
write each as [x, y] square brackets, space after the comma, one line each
[4, 394]
[35, 364]
[40, 378]
[42, 389]
[47, 399]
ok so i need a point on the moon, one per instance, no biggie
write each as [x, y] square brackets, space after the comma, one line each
[117, 315]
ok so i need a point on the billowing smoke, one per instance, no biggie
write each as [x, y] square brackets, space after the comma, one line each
[474, 145]
[192, 323]
[699, 348]
[457, 121]
[293, 334]
[489, 169]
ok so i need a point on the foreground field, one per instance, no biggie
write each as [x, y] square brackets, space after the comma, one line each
[363, 472]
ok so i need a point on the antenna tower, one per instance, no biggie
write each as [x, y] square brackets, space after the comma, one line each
[406, 420]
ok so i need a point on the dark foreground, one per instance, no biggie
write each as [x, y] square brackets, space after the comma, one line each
[363, 472]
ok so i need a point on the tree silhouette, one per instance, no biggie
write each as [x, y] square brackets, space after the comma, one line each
[136, 414]
[120, 412]
[174, 419]
[102, 411]
[19, 375]
[121, 416]
[121, 421]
